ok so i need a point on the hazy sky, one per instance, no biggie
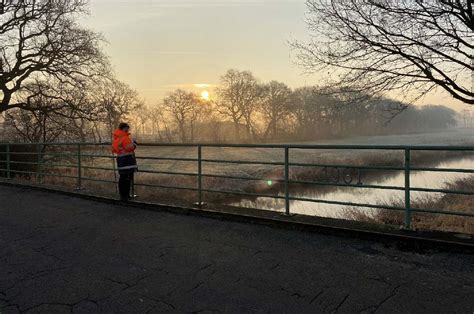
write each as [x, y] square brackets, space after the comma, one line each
[159, 45]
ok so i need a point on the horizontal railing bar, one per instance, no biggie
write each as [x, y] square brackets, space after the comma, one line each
[319, 146]
[383, 207]
[96, 156]
[442, 212]
[57, 175]
[243, 193]
[143, 171]
[58, 165]
[442, 170]
[241, 178]
[43, 174]
[97, 180]
[345, 166]
[169, 173]
[218, 161]
[24, 153]
[428, 190]
[97, 168]
[166, 187]
[278, 163]
[192, 145]
[380, 187]
[303, 199]
[60, 154]
[293, 146]
[22, 171]
[440, 148]
[165, 158]
[24, 162]
[93, 144]
[52, 144]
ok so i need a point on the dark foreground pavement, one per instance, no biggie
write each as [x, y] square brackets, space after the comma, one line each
[62, 254]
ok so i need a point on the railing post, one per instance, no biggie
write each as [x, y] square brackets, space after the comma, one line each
[287, 181]
[7, 151]
[199, 183]
[407, 190]
[79, 168]
[39, 167]
[132, 187]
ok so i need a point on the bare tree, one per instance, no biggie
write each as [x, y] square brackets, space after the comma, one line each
[184, 108]
[43, 124]
[115, 101]
[139, 118]
[54, 117]
[159, 123]
[311, 109]
[239, 94]
[403, 45]
[41, 40]
[276, 106]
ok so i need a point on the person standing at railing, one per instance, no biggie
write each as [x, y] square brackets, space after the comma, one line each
[124, 147]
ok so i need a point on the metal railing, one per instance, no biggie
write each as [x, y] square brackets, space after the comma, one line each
[343, 175]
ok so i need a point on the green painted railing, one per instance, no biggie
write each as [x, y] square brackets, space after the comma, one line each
[345, 173]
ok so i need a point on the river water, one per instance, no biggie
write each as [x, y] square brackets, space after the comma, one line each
[419, 179]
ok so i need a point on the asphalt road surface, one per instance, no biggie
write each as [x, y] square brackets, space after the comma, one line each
[60, 254]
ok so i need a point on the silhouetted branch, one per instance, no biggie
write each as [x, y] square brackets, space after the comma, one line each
[405, 45]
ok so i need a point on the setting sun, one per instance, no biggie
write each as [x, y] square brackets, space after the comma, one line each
[205, 95]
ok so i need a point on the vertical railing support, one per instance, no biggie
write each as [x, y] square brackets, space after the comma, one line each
[407, 190]
[199, 203]
[132, 187]
[7, 151]
[39, 168]
[79, 168]
[287, 181]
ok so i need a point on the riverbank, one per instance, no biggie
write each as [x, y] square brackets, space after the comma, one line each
[424, 221]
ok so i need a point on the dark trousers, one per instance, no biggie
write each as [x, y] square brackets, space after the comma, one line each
[125, 182]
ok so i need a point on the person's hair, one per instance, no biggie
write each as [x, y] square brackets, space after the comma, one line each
[123, 125]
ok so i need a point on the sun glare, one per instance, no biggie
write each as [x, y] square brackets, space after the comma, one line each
[205, 95]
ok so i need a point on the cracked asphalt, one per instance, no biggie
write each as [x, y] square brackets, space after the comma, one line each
[60, 254]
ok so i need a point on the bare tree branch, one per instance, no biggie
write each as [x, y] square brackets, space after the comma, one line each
[382, 45]
[41, 40]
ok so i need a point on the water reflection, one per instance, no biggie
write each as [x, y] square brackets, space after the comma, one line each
[419, 179]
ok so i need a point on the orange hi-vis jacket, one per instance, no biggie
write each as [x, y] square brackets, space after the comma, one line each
[124, 147]
[122, 143]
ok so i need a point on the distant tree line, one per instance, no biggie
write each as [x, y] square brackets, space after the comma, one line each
[242, 109]
[246, 110]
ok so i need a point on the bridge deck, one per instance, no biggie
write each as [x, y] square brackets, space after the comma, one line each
[62, 254]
